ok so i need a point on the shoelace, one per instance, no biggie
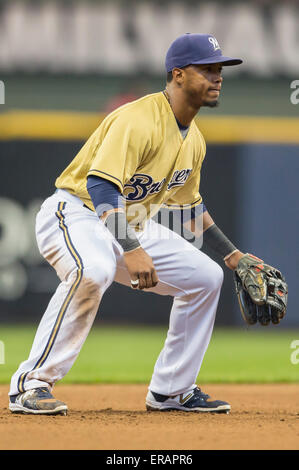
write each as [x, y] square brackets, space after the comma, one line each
[43, 390]
[200, 394]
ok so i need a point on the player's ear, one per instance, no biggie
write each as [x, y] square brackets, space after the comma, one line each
[178, 75]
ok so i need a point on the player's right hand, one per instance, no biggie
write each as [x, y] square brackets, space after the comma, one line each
[140, 266]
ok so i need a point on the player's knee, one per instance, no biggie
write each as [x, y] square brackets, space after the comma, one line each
[207, 275]
[97, 277]
[214, 276]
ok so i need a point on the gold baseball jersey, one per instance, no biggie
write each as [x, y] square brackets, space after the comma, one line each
[139, 147]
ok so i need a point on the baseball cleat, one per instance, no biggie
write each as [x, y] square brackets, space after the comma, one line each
[38, 401]
[194, 400]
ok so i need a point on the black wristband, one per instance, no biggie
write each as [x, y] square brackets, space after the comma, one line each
[117, 224]
[216, 240]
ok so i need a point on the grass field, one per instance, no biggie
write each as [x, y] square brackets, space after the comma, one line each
[128, 354]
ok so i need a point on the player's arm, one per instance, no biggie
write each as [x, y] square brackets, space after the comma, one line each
[203, 225]
[109, 205]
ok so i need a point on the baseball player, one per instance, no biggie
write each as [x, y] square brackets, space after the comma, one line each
[98, 228]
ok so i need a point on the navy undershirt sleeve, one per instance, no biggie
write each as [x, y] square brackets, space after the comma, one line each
[193, 210]
[104, 194]
[188, 214]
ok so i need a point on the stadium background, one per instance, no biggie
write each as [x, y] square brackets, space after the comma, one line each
[66, 64]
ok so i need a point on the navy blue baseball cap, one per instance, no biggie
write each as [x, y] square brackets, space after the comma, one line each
[191, 49]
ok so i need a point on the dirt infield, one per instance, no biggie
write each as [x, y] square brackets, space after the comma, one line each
[113, 417]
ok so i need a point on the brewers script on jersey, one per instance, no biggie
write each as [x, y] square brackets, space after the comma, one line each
[140, 148]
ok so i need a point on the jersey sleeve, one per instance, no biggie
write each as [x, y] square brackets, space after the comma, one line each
[121, 151]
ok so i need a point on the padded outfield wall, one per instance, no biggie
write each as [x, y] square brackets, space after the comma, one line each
[249, 184]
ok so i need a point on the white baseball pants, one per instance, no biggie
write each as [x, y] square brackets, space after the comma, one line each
[87, 260]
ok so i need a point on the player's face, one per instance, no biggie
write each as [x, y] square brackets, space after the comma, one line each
[202, 84]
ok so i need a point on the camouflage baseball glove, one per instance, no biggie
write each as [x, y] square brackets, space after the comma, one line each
[262, 291]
